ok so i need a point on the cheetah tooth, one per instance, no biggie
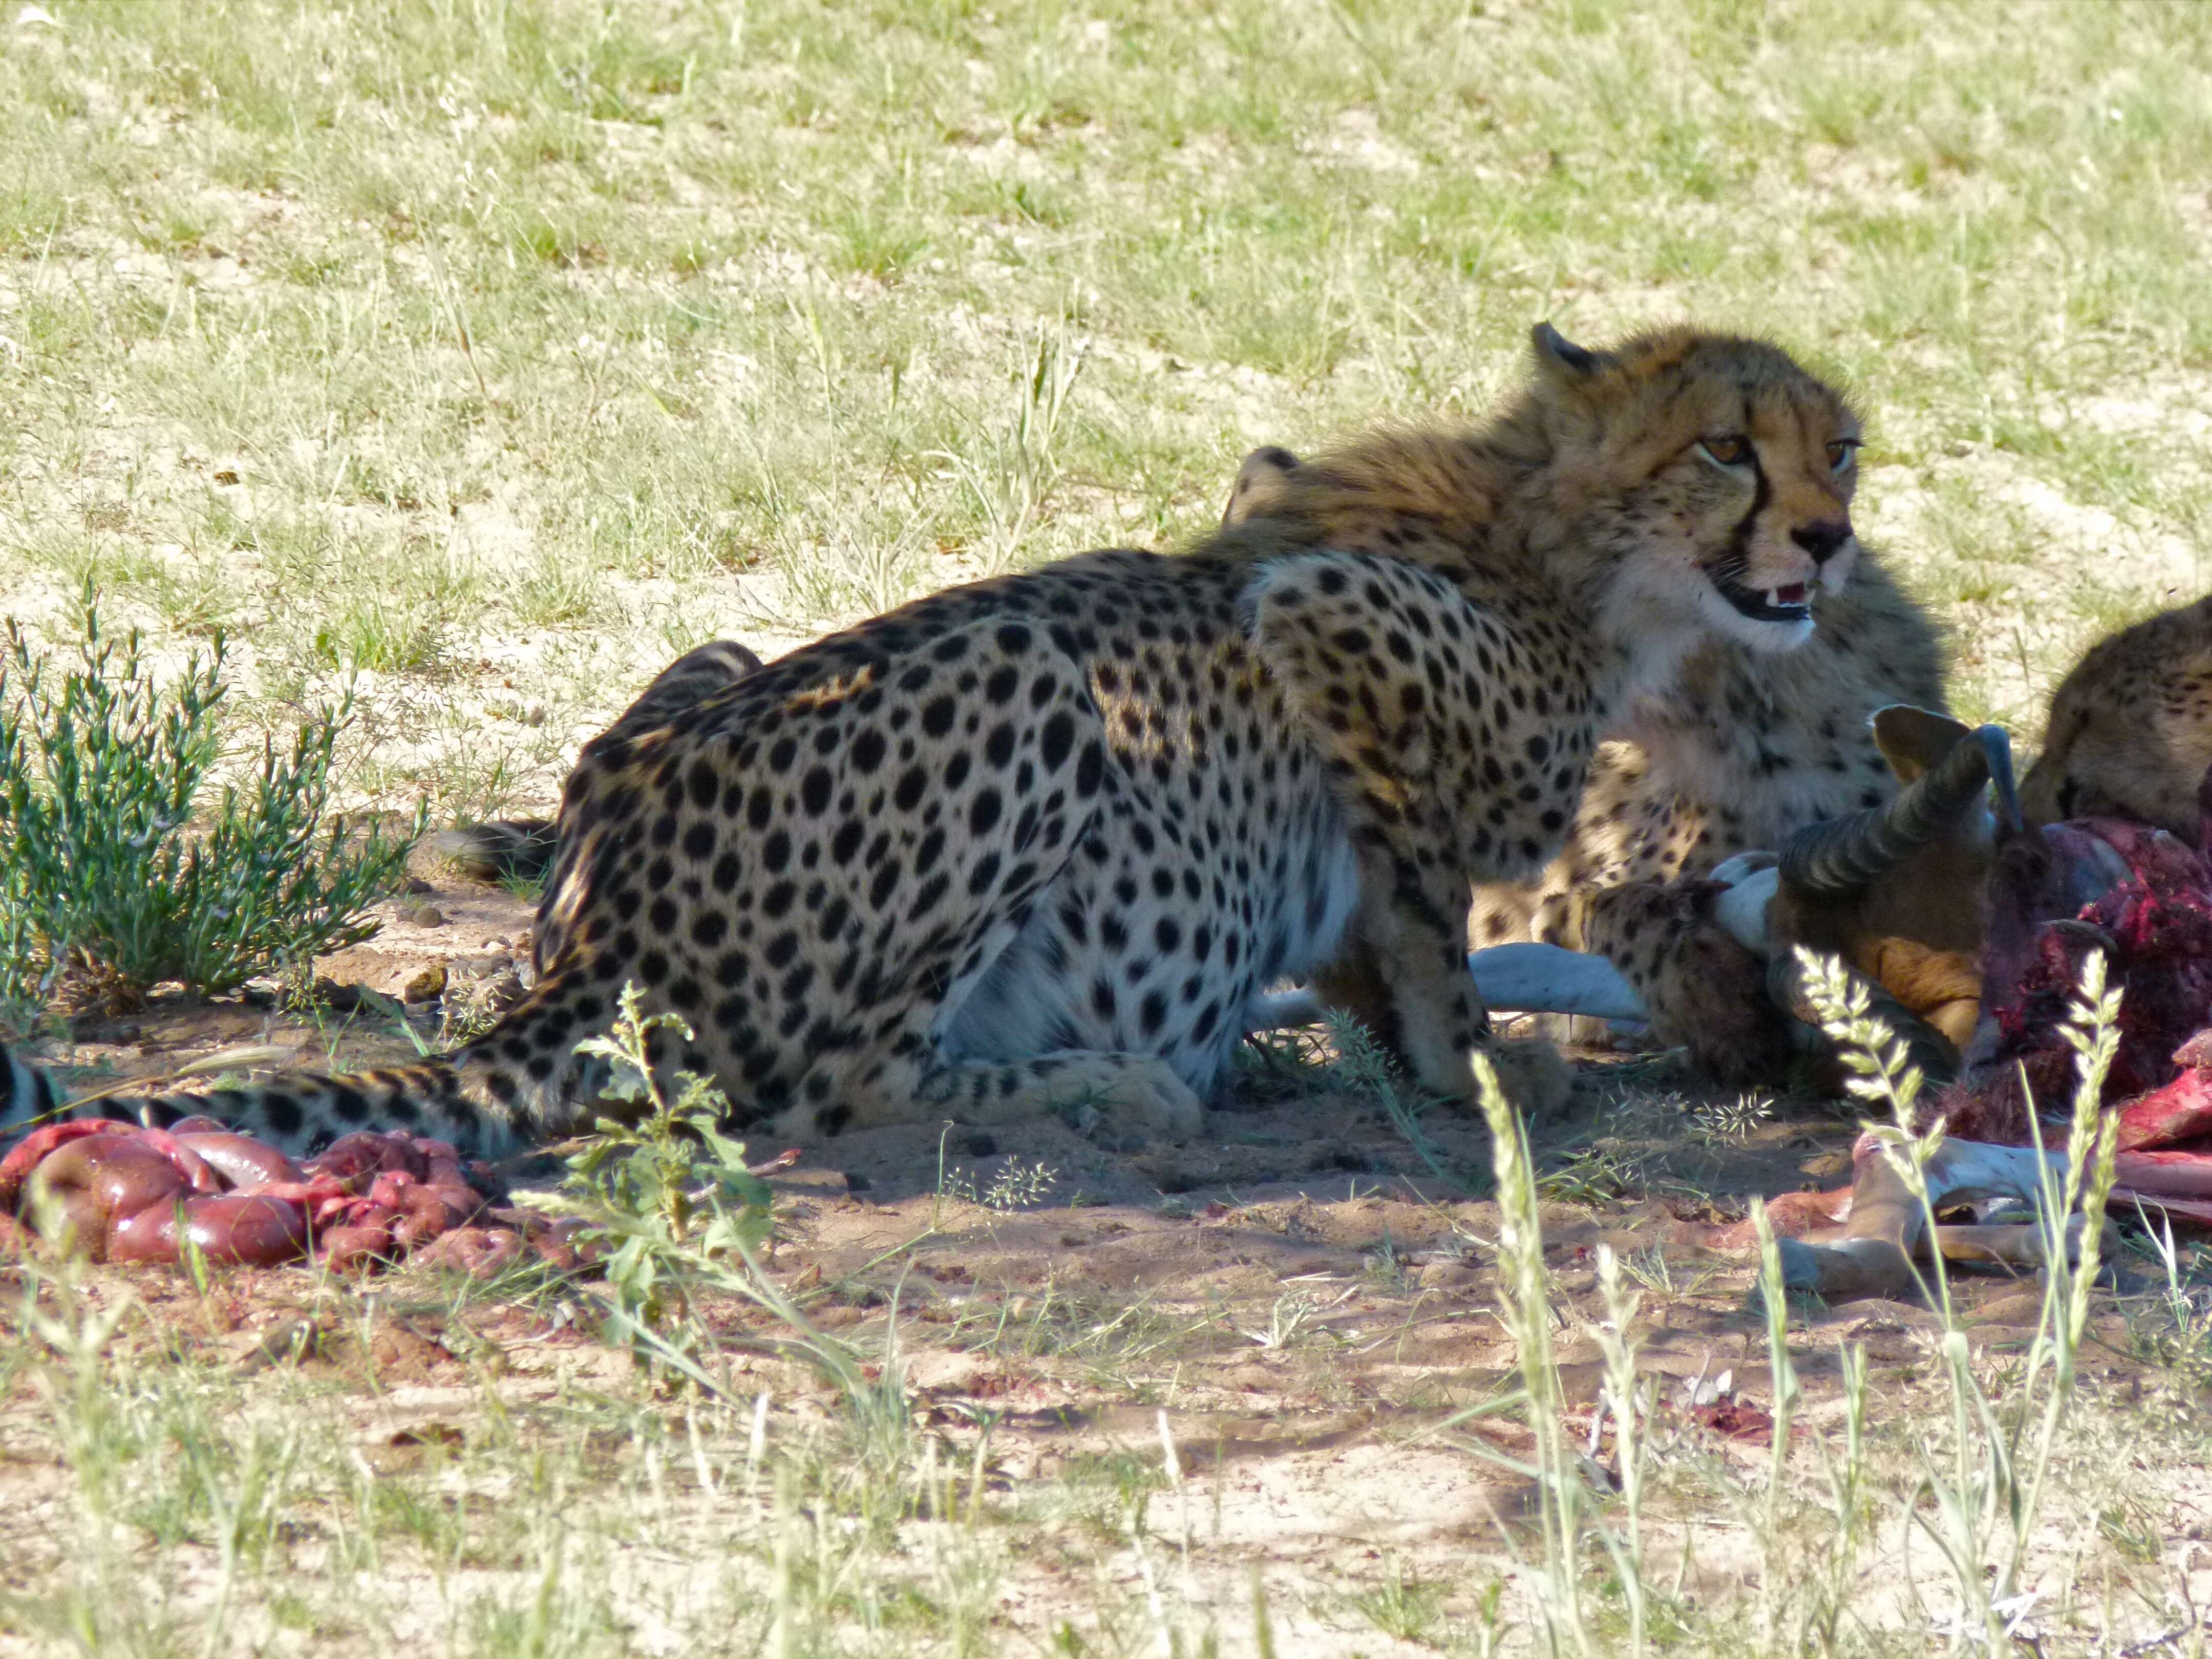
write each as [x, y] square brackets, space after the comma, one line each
[1543, 979]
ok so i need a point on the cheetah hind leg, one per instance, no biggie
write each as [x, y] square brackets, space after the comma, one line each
[1093, 1091]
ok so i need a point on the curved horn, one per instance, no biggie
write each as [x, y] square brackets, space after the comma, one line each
[1839, 857]
[1998, 744]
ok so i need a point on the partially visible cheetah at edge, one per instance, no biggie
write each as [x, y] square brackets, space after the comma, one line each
[2130, 732]
[1050, 837]
[1738, 749]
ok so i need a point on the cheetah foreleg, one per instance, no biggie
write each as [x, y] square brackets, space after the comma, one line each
[1378, 658]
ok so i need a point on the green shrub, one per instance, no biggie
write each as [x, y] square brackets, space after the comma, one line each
[114, 878]
[669, 1200]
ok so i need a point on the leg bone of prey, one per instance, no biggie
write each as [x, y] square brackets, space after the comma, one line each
[1514, 979]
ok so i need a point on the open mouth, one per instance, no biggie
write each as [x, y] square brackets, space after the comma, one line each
[1780, 604]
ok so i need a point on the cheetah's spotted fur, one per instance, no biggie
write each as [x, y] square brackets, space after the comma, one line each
[2129, 730]
[1050, 836]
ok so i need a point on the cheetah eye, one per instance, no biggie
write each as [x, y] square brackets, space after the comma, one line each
[1843, 455]
[1733, 450]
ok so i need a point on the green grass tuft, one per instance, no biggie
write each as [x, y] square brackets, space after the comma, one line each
[118, 873]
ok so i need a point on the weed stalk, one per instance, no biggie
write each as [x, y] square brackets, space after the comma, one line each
[1995, 1476]
[1526, 1309]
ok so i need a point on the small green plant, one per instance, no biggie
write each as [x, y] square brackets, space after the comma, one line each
[2178, 1328]
[1367, 1069]
[1405, 1605]
[1016, 1186]
[1288, 1320]
[1020, 1185]
[661, 1189]
[1014, 465]
[114, 874]
[1564, 1500]
[1604, 1172]
[670, 1194]
[472, 1007]
[1982, 1510]
[1730, 1123]
[1387, 1265]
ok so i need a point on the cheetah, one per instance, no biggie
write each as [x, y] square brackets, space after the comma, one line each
[1050, 838]
[1738, 748]
[2129, 730]
[1671, 797]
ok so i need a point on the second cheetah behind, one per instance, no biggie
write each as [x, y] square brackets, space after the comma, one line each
[2129, 730]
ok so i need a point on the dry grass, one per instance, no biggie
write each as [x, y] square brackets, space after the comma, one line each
[490, 353]
[496, 351]
[1286, 1411]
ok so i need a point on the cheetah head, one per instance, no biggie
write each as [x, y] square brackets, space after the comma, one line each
[1711, 473]
[2130, 729]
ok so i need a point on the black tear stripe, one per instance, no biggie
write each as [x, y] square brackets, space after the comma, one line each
[1738, 558]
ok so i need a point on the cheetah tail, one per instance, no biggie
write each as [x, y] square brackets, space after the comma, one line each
[32, 1094]
[298, 1111]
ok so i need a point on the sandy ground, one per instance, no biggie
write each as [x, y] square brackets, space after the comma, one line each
[1296, 1301]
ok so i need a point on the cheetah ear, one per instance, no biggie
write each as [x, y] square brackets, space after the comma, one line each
[1563, 357]
[1258, 481]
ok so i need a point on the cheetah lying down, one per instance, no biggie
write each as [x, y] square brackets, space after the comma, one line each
[1052, 836]
[1524, 978]
[1628, 922]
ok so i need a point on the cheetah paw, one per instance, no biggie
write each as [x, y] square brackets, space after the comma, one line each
[1097, 1095]
[1533, 1075]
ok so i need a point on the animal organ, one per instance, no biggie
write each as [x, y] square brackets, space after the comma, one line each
[118, 1192]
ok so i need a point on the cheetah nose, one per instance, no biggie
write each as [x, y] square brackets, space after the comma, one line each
[1822, 539]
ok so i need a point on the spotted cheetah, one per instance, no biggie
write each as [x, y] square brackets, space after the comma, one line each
[1049, 837]
[1674, 793]
[2130, 732]
[1739, 747]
